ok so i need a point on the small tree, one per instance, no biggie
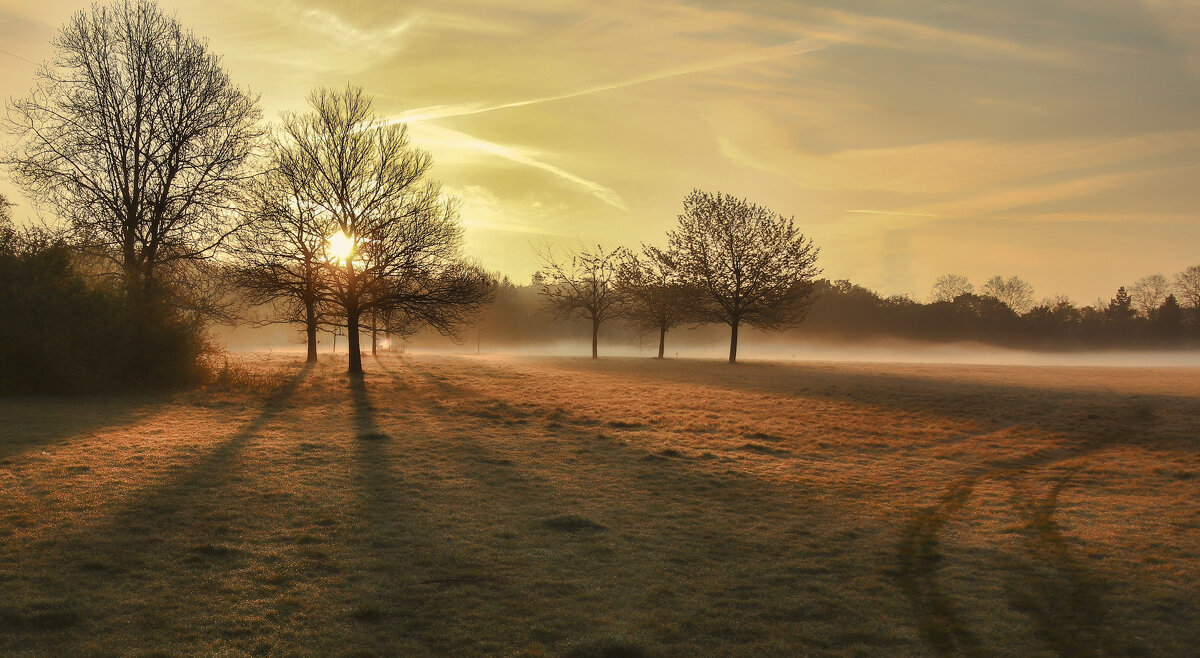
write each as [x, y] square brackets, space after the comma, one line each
[751, 264]
[949, 286]
[585, 286]
[1148, 293]
[655, 297]
[1013, 291]
[281, 250]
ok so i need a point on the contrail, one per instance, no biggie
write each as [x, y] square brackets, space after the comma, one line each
[892, 212]
[789, 49]
[602, 192]
[456, 139]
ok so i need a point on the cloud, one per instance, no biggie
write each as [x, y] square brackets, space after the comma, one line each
[444, 139]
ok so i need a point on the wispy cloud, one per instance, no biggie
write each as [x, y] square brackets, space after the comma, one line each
[898, 213]
[769, 53]
[437, 137]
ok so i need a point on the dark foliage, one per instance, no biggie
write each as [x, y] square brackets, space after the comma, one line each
[61, 334]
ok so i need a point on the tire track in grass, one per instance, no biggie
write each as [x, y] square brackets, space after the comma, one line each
[1060, 595]
[919, 559]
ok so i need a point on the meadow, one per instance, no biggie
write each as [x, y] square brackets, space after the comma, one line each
[480, 505]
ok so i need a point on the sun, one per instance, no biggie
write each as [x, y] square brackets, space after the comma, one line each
[341, 246]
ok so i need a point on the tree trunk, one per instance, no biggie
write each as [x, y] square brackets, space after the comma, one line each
[595, 338]
[662, 342]
[352, 316]
[374, 334]
[353, 343]
[733, 342]
[310, 325]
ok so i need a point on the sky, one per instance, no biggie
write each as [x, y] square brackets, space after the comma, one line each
[1055, 140]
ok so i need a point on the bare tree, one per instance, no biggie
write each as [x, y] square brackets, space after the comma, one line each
[1149, 293]
[136, 135]
[751, 263]
[400, 237]
[1013, 291]
[949, 286]
[4, 213]
[584, 286]
[655, 297]
[1187, 284]
[281, 251]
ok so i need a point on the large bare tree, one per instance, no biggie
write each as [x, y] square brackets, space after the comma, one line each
[136, 136]
[656, 299]
[583, 285]
[399, 237]
[752, 264]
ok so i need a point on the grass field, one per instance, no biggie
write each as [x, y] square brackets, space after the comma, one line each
[625, 507]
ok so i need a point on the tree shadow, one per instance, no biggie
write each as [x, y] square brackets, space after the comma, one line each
[33, 423]
[176, 537]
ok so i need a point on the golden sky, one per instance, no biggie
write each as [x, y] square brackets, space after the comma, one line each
[1057, 140]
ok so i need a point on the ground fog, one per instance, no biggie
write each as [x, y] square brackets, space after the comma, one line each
[485, 505]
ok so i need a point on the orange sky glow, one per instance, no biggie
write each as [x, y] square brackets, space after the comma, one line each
[1056, 140]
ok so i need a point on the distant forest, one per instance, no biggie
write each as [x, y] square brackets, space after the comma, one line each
[842, 312]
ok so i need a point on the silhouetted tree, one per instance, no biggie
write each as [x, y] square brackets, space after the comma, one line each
[1148, 293]
[949, 286]
[655, 297]
[1168, 318]
[1013, 291]
[282, 249]
[136, 135]
[584, 286]
[751, 264]
[1120, 308]
[1187, 284]
[361, 175]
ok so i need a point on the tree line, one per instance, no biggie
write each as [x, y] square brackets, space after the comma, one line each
[180, 206]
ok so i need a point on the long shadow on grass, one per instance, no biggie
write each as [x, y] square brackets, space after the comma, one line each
[406, 555]
[668, 542]
[1093, 411]
[165, 538]
[1059, 593]
[33, 423]
[1063, 598]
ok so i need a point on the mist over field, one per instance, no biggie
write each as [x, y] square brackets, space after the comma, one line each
[766, 348]
[586, 329]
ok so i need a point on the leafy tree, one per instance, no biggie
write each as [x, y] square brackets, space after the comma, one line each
[584, 286]
[655, 297]
[751, 264]
[401, 237]
[1168, 318]
[136, 135]
[949, 286]
[1013, 291]
[1148, 293]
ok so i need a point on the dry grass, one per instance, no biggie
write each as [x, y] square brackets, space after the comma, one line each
[484, 506]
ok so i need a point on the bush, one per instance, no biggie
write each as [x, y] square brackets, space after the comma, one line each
[61, 333]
